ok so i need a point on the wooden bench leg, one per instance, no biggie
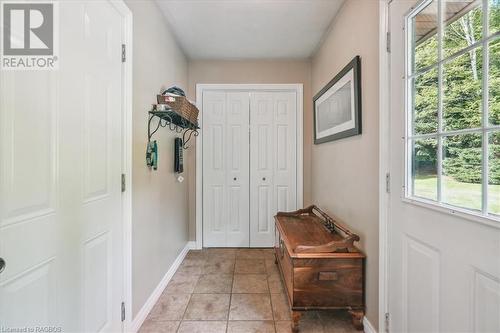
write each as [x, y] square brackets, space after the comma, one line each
[357, 318]
[295, 320]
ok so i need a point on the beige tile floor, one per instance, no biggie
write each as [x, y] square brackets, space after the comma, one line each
[233, 291]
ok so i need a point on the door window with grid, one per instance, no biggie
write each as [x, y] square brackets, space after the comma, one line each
[453, 105]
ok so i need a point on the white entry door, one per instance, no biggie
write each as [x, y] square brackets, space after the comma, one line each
[273, 165]
[249, 164]
[225, 169]
[61, 156]
[444, 227]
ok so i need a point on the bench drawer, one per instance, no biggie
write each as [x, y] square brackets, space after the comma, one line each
[328, 283]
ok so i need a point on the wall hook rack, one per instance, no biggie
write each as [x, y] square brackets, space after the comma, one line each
[191, 133]
[175, 122]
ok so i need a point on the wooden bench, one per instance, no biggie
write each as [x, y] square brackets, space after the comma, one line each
[320, 266]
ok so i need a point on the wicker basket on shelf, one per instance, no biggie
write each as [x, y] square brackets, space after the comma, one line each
[181, 106]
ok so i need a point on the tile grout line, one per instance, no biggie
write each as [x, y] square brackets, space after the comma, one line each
[187, 305]
[231, 294]
[190, 296]
[270, 298]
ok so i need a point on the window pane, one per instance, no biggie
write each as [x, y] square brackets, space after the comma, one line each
[425, 168]
[494, 82]
[494, 173]
[462, 81]
[425, 37]
[425, 103]
[494, 7]
[463, 25]
[461, 183]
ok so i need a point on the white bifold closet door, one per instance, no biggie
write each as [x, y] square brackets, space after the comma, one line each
[226, 169]
[273, 164]
[249, 165]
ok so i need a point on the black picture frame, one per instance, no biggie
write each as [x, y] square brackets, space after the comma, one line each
[354, 65]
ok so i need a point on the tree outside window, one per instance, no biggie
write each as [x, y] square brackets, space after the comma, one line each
[454, 101]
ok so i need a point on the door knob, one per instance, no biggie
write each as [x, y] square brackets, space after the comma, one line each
[263, 178]
[234, 178]
[2, 265]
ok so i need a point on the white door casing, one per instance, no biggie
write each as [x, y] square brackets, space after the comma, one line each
[269, 184]
[226, 169]
[61, 228]
[443, 269]
[272, 162]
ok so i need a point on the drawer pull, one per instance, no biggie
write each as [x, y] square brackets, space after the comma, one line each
[328, 276]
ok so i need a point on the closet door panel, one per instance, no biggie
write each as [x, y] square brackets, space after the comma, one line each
[261, 169]
[238, 169]
[214, 169]
[285, 168]
[272, 162]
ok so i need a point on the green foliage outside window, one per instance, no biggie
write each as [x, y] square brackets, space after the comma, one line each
[461, 98]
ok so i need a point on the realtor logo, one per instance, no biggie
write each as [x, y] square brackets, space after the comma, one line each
[29, 36]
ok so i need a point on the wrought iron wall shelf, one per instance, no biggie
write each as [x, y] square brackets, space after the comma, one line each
[175, 122]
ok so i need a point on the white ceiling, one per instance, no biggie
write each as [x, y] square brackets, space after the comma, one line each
[249, 29]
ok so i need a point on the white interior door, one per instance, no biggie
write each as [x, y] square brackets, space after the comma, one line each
[444, 269]
[61, 156]
[225, 169]
[273, 151]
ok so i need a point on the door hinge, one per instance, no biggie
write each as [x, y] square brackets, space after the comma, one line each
[123, 183]
[123, 311]
[387, 322]
[388, 42]
[388, 182]
[124, 53]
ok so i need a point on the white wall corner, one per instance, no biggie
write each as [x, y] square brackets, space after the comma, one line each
[368, 327]
[155, 295]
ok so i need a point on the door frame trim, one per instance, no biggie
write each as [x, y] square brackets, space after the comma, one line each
[384, 161]
[127, 90]
[200, 88]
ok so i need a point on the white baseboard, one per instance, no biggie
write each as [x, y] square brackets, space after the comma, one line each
[368, 327]
[153, 298]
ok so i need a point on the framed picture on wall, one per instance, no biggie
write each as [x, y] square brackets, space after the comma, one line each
[337, 107]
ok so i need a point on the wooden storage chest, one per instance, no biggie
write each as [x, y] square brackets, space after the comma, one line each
[320, 266]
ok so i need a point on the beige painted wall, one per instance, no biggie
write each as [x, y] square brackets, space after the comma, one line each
[345, 172]
[160, 203]
[258, 71]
